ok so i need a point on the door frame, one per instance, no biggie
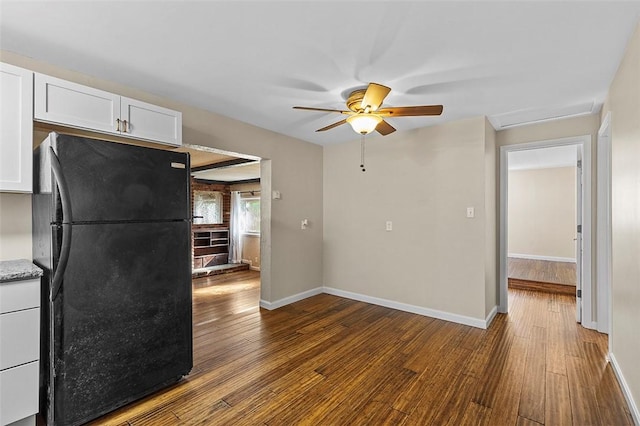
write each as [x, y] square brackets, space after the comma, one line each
[603, 225]
[579, 234]
[584, 142]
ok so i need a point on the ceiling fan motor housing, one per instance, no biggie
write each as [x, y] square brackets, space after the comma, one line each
[354, 101]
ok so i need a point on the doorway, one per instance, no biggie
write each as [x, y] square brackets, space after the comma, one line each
[542, 219]
[582, 232]
[226, 206]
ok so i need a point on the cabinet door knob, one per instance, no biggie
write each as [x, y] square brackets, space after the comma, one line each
[118, 123]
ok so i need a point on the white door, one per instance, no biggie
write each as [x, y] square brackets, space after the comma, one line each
[579, 236]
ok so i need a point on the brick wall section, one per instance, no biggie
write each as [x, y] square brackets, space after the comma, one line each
[226, 206]
[226, 202]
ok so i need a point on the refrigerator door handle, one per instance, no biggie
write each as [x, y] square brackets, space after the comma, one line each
[67, 217]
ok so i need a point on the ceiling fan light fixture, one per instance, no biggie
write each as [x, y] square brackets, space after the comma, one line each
[364, 123]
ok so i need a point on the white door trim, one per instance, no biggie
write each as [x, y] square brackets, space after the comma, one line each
[585, 143]
[579, 235]
[265, 230]
[603, 226]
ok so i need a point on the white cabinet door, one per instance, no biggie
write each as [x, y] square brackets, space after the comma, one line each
[63, 102]
[16, 130]
[151, 122]
[20, 336]
[18, 392]
[18, 295]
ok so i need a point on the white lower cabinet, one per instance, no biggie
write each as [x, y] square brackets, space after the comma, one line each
[19, 351]
[19, 392]
[70, 104]
[20, 335]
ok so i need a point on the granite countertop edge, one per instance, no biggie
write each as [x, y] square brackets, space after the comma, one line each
[17, 270]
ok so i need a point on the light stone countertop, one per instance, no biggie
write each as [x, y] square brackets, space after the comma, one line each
[20, 269]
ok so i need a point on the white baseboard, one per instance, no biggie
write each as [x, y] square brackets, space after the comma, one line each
[490, 317]
[635, 413]
[433, 313]
[253, 268]
[537, 257]
[290, 299]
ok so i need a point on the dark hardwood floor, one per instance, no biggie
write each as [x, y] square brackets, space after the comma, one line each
[542, 275]
[333, 361]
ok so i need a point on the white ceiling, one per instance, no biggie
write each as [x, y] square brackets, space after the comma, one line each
[512, 61]
[544, 158]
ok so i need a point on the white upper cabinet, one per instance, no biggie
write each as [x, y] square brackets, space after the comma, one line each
[70, 104]
[151, 122]
[16, 129]
[63, 102]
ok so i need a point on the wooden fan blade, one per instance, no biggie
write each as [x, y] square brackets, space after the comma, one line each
[410, 111]
[384, 128]
[321, 109]
[331, 126]
[374, 96]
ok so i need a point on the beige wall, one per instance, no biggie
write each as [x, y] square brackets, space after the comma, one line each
[556, 129]
[542, 212]
[251, 250]
[422, 180]
[296, 171]
[15, 226]
[624, 104]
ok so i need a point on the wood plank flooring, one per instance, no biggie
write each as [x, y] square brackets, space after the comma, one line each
[333, 361]
[542, 275]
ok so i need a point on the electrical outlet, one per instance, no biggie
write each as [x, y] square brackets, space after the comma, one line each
[389, 226]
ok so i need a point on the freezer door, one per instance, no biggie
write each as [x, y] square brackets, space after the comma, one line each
[121, 323]
[108, 181]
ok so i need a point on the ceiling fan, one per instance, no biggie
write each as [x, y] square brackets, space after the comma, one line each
[365, 114]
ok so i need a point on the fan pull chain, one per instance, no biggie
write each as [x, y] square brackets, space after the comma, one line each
[362, 152]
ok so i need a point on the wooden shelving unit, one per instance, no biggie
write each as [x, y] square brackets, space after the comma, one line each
[210, 247]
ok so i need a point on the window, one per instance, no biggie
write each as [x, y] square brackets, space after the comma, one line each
[207, 207]
[250, 213]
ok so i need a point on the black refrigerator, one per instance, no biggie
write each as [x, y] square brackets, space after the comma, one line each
[111, 228]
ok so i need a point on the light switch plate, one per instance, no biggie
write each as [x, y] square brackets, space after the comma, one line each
[471, 212]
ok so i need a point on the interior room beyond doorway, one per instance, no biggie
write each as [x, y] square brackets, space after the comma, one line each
[225, 201]
[542, 211]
